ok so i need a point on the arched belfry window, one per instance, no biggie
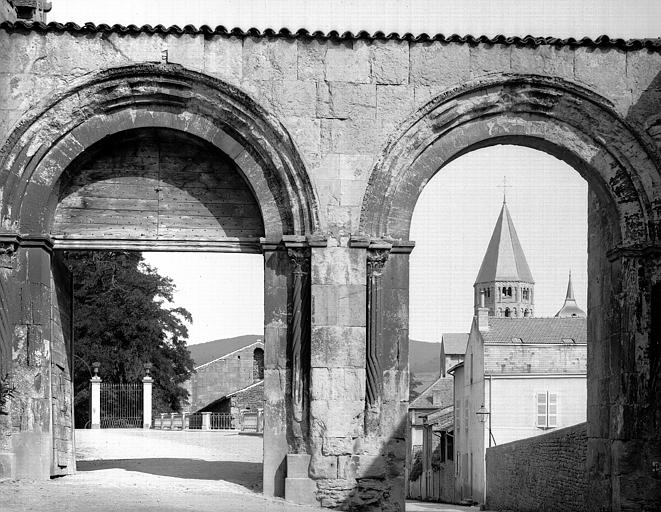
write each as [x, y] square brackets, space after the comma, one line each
[258, 364]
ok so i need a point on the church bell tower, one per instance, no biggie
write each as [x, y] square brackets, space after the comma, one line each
[504, 283]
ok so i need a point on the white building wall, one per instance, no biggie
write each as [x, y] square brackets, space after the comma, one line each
[513, 411]
[511, 401]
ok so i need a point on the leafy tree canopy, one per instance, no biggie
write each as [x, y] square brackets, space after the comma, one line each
[122, 320]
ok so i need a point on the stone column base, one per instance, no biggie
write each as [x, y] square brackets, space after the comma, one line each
[299, 487]
[96, 425]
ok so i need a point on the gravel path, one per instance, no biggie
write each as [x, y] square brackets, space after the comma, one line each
[161, 471]
[153, 471]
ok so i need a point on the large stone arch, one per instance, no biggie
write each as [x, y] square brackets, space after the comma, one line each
[156, 96]
[552, 115]
[71, 124]
[622, 169]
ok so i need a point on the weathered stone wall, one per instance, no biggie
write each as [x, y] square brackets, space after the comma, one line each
[339, 100]
[336, 138]
[219, 378]
[541, 474]
[251, 398]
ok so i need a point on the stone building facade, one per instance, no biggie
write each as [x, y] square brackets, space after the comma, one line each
[335, 137]
[225, 375]
[521, 376]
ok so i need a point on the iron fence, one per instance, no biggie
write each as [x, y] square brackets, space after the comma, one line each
[121, 405]
[195, 421]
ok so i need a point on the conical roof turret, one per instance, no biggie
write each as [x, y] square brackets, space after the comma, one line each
[504, 259]
[570, 307]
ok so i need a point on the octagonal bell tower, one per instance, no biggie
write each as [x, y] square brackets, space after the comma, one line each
[504, 283]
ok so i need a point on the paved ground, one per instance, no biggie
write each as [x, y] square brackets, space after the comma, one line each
[145, 471]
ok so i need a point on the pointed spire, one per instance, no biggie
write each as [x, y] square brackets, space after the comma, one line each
[504, 186]
[570, 307]
[570, 289]
[504, 259]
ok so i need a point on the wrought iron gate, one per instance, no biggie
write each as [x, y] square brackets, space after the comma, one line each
[121, 405]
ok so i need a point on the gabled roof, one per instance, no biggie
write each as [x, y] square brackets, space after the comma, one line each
[570, 307]
[504, 259]
[536, 330]
[454, 342]
[204, 353]
[211, 405]
[443, 385]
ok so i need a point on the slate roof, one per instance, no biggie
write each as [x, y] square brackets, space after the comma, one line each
[204, 353]
[443, 419]
[454, 342]
[211, 405]
[535, 330]
[504, 259]
[526, 41]
[425, 401]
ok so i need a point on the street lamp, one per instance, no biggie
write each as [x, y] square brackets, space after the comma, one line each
[482, 414]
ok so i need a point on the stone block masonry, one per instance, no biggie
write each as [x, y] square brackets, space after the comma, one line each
[545, 473]
[335, 137]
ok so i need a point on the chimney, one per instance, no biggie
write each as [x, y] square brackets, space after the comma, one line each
[31, 10]
[482, 315]
[436, 398]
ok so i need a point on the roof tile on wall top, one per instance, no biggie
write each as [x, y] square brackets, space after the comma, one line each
[602, 41]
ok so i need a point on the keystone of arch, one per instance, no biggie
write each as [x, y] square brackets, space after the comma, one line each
[552, 115]
[53, 134]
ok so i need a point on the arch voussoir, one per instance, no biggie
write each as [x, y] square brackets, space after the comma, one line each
[155, 96]
[547, 114]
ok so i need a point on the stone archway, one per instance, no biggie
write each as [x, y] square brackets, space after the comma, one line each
[584, 130]
[156, 96]
[94, 112]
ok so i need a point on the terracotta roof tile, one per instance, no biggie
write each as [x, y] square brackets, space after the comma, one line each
[527, 41]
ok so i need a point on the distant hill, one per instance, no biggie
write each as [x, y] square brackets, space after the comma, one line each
[424, 357]
[424, 363]
[203, 353]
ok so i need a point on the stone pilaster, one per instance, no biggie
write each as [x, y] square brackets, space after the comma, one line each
[337, 402]
[377, 255]
[276, 374]
[300, 261]
[31, 407]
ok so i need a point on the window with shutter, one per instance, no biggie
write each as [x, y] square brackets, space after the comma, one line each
[553, 410]
[541, 410]
[547, 410]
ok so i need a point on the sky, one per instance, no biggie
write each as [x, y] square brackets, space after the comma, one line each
[457, 210]
[559, 18]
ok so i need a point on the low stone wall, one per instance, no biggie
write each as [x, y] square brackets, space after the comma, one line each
[543, 473]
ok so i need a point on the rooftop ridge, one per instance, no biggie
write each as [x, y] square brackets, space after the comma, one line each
[603, 41]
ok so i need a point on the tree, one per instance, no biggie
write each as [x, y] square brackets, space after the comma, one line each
[413, 383]
[122, 320]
